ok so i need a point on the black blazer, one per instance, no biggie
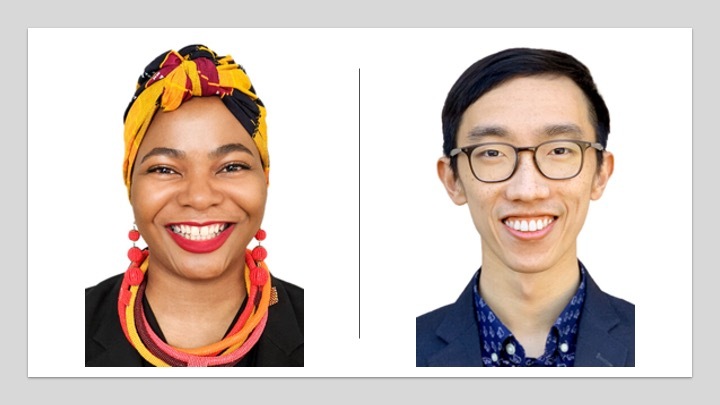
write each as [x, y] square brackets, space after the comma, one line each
[449, 336]
[280, 345]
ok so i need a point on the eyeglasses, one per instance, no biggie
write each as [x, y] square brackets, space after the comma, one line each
[497, 161]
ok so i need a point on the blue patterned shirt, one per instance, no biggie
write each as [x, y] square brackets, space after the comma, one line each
[501, 349]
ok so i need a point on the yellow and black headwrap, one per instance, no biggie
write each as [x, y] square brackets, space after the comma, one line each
[175, 77]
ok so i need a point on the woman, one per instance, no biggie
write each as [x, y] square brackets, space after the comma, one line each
[196, 170]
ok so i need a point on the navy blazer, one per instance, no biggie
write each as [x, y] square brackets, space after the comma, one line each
[449, 336]
[280, 345]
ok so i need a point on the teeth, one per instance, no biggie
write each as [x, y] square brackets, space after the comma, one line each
[532, 225]
[198, 232]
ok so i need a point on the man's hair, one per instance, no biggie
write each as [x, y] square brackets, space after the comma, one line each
[496, 69]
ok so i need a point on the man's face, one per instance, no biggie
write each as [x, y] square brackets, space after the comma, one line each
[549, 213]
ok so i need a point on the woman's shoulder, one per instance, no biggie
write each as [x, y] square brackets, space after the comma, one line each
[104, 287]
[292, 300]
[290, 287]
[290, 292]
[101, 298]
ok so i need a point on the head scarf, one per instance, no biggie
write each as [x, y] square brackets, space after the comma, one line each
[176, 76]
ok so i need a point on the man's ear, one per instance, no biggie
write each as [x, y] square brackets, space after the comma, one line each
[602, 176]
[452, 183]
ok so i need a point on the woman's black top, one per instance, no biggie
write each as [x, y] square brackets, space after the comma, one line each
[280, 345]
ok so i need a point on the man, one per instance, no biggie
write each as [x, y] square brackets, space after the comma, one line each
[525, 132]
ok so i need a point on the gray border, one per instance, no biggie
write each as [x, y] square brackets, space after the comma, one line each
[359, 14]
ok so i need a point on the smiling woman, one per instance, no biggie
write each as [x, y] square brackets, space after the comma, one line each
[196, 170]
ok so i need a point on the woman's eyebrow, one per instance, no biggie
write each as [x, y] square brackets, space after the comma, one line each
[178, 154]
[229, 148]
[173, 153]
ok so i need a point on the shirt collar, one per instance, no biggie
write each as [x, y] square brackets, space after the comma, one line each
[499, 346]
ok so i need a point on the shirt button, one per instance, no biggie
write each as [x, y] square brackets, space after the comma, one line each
[510, 349]
[564, 347]
[494, 357]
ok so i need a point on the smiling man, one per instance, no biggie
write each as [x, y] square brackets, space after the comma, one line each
[525, 137]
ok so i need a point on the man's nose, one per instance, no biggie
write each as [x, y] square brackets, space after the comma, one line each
[527, 183]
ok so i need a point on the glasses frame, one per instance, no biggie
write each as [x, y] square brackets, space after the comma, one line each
[584, 145]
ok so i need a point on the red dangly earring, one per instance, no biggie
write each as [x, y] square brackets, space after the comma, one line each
[134, 274]
[257, 274]
[259, 253]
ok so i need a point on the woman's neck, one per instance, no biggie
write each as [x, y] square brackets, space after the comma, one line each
[194, 313]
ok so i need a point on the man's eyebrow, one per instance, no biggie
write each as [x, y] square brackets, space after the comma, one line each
[229, 148]
[564, 129]
[170, 152]
[489, 130]
[480, 132]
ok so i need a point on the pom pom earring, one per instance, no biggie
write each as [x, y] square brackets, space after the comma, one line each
[258, 275]
[259, 253]
[133, 274]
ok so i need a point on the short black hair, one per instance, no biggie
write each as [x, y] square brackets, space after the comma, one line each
[496, 69]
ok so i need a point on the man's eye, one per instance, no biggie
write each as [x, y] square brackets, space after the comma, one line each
[560, 151]
[490, 153]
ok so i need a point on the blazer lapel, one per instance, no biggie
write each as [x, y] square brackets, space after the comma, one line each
[459, 330]
[596, 347]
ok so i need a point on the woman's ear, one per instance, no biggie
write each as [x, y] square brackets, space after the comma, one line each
[451, 181]
[602, 176]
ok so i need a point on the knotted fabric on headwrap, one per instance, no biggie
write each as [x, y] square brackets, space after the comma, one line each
[175, 77]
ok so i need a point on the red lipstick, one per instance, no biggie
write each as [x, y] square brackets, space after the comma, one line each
[200, 246]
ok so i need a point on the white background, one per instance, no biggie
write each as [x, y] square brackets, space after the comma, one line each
[417, 249]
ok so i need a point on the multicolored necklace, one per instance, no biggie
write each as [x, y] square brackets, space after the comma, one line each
[242, 336]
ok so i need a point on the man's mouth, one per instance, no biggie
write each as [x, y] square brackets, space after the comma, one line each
[529, 224]
[199, 233]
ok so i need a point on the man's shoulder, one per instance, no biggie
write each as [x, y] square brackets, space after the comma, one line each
[428, 341]
[606, 333]
[453, 313]
[430, 320]
[624, 309]
[450, 326]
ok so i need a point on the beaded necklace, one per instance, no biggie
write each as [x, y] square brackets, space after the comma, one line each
[242, 337]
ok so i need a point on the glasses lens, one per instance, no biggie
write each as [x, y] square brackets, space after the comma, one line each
[559, 159]
[493, 161]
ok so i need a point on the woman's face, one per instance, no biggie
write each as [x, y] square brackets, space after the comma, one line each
[198, 190]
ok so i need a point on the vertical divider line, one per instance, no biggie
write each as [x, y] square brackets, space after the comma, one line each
[359, 208]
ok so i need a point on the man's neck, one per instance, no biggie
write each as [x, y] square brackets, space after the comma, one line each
[529, 302]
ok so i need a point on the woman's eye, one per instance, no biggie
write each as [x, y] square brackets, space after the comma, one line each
[235, 167]
[161, 170]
